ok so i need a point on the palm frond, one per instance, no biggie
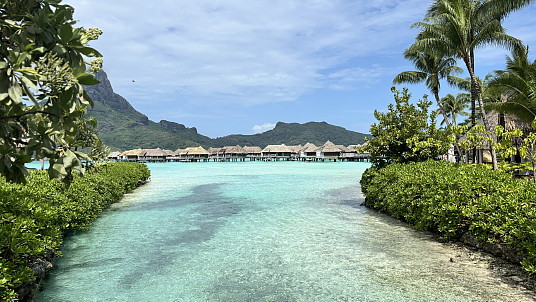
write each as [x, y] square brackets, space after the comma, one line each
[412, 77]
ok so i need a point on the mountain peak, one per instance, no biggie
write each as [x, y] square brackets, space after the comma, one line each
[122, 127]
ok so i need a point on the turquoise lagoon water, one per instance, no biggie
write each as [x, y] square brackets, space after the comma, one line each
[260, 231]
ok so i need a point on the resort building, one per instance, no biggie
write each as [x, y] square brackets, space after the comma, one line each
[253, 152]
[153, 155]
[295, 151]
[309, 152]
[194, 154]
[276, 152]
[114, 155]
[233, 153]
[329, 151]
[131, 155]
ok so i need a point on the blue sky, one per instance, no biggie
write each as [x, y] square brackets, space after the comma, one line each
[238, 67]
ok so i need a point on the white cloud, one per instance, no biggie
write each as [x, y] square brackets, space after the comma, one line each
[263, 127]
[243, 53]
[352, 78]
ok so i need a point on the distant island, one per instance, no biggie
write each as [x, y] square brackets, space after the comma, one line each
[122, 127]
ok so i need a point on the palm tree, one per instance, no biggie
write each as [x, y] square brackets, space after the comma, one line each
[517, 85]
[430, 69]
[456, 105]
[457, 27]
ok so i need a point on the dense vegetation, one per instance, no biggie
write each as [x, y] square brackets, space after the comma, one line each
[406, 132]
[488, 208]
[43, 65]
[34, 217]
[122, 127]
[459, 199]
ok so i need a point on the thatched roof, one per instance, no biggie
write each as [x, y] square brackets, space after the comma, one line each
[344, 149]
[178, 151]
[214, 151]
[309, 148]
[353, 148]
[157, 152]
[295, 149]
[329, 147]
[253, 150]
[194, 151]
[135, 152]
[233, 150]
[114, 154]
[277, 149]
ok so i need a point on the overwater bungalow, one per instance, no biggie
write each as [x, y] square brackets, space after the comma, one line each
[308, 151]
[329, 151]
[194, 154]
[131, 155]
[114, 155]
[233, 152]
[295, 151]
[253, 152]
[154, 155]
[215, 153]
[276, 152]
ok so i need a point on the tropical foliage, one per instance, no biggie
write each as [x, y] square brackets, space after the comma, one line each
[517, 85]
[459, 199]
[406, 132]
[431, 69]
[456, 28]
[515, 142]
[34, 217]
[42, 69]
[456, 106]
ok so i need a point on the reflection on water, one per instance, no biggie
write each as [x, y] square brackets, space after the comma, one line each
[277, 231]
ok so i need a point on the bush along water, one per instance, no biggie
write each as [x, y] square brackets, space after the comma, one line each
[460, 201]
[34, 218]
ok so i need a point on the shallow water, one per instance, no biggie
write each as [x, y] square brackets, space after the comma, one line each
[260, 231]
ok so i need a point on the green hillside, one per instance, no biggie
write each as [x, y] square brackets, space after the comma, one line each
[122, 127]
[295, 134]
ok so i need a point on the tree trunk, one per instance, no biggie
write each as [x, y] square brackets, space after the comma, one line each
[475, 88]
[447, 120]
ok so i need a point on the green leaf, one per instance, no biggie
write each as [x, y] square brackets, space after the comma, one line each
[39, 50]
[3, 65]
[21, 58]
[66, 32]
[28, 82]
[11, 23]
[90, 52]
[15, 92]
[87, 79]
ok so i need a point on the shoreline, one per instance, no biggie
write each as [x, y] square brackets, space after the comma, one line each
[42, 265]
[469, 252]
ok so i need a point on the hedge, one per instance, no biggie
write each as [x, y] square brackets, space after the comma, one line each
[34, 217]
[456, 200]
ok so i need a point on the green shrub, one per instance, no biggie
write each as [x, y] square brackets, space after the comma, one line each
[454, 199]
[35, 216]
